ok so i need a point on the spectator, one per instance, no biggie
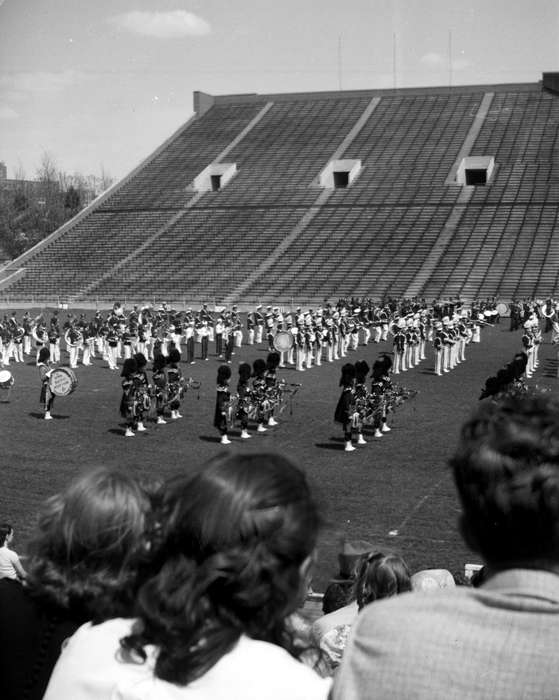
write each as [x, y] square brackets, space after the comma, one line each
[10, 565]
[379, 576]
[499, 640]
[237, 544]
[84, 565]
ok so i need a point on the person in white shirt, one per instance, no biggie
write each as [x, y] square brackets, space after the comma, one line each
[10, 565]
[231, 564]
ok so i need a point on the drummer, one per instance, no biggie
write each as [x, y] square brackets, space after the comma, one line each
[47, 397]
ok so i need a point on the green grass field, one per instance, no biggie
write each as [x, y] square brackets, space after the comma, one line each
[400, 482]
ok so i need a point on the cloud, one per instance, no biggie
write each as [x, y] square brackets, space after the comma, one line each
[162, 25]
[40, 81]
[7, 112]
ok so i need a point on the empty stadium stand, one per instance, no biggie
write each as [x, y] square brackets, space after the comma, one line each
[271, 232]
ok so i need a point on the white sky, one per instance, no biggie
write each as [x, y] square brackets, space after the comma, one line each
[102, 83]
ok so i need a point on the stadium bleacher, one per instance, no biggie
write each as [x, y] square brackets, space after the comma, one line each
[273, 233]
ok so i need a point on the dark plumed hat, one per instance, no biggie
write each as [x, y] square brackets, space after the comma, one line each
[129, 367]
[244, 370]
[159, 361]
[273, 360]
[174, 355]
[361, 370]
[348, 375]
[140, 360]
[223, 373]
[258, 366]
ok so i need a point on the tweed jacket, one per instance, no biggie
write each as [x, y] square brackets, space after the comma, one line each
[500, 641]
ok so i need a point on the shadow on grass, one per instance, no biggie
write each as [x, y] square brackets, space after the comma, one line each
[55, 416]
[210, 438]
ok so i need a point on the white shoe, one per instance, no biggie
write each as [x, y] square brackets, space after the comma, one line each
[129, 432]
[385, 428]
[272, 421]
[261, 428]
[174, 415]
[349, 447]
[378, 433]
[177, 414]
[245, 434]
[161, 421]
[225, 440]
[141, 427]
[361, 440]
[48, 416]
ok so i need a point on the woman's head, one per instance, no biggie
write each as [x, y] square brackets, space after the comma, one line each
[89, 544]
[44, 355]
[6, 532]
[237, 539]
[381, 576]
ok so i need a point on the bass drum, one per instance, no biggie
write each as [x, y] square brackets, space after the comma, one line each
[283, 341]
[62, 381]
[502, 309]
[6, 379]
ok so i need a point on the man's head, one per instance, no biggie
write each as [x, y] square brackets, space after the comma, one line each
[506, 469]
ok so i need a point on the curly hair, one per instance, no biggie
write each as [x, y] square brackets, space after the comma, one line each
[234, 542]
[381, 576]
[506, 470]
[90, 546]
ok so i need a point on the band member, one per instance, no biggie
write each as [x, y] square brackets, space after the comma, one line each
[18, 335]
[361, 398]
[189, 340]
[244, 394]
[219, 337]
[112, 339]
[73, 339]
[204, 335]
[251, 327]
[345, 407]
[159, 379]
[380, 387]
[127, 411]
[259, 320]
[271, 377]
[175, 383]
[45, 370]
[259, 393]
[438, 347]
[41, 337]
[228, 341]
[399, 344]
[142, 399]
[222, 402]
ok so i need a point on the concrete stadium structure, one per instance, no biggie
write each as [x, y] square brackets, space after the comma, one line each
[307, 197]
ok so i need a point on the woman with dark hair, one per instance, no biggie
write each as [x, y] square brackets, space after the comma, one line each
[379, 576]
[84, 564]
[237, 543]
[127, 410]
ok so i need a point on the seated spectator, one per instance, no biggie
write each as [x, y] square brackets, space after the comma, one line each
[498, 640]
[10, 565]
[237, 544]
[83, 564]
[380, 576]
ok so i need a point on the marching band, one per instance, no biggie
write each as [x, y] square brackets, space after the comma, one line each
[300, 338]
